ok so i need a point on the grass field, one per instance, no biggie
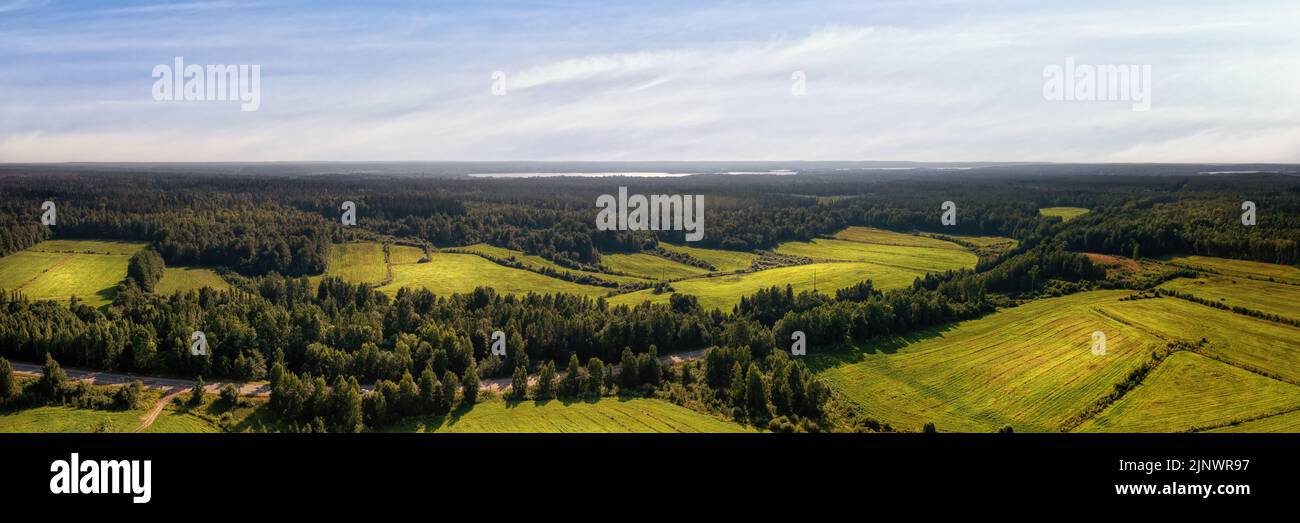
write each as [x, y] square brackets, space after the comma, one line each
[448, 273]
[605, 415]
[538, 263]
[925, 259]
[1031, 367]
[358, 262]
[68, 419]
[1064, 213]
[1241, 268]
[1273, 298]
[723, 292]
[723, 261]
[1288, 422]
[58, 269]
[183, 279]
[402, 254]
[883, 237]
[649, 266]
[1189, 391]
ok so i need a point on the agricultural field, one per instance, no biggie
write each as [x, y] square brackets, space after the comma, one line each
[1287, 422]
[69, 419]
[358, 262]
[723, 261]
[403, 254]
[1269, 297]
[448, 273]
[1064, 213]
[724, 291]
[605, 415]
[1189, 391]
[184, 279]
[1031, 367]
[1239, 268]
[58, 269]
[649, 266]
[906, 257]
[537, 263]
[882, 237]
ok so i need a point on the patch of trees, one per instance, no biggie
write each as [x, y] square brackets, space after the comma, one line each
[146, 268]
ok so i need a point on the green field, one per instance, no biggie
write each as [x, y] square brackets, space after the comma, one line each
[911, 258]
[1240, 268]
[358, 262]
[723, 292]
[184, 279]
[68, 419]
[58, 269]
[649, 266]
[723, 261]
[1273, 298]
[402, 254]
[883, 237]
[605, 415]
[1029, 367]
[1064, 213]
[1189, 391]
[538, 263]
[448, 273]
[1288, 422]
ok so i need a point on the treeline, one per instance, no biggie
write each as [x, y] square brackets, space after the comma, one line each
[54, 388]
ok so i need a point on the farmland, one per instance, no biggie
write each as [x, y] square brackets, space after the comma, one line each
[1239, 268]
[1263, 296]
[723, 261]
[649, 266]
[605, 415]
[538, 263]
[1189, 391]
[58, 269]
[183, 279]
[448, 273]
[1031, 366]
[1064, 213]
[358, 262]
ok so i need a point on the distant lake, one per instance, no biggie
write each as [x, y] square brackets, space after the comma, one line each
[633, 174]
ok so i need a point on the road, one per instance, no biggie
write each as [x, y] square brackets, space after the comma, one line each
[262, 389]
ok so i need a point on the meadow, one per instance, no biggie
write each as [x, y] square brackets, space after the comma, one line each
[1189, 391]
[358, 262]
[448, 273]
[723, 261]
[649, 266]
[912, 258]
[59, 269]
[1239, 268]
[1274, 298]
[69, 419]
[1286, 422]
[535, 262]
[1064, 213]
[554, 416]
[184, 279]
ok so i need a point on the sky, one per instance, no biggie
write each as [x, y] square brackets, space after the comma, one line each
[921, 80]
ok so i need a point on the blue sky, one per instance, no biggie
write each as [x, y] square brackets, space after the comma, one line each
[891, 80]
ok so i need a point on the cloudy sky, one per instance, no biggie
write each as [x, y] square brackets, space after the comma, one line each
[925, 80]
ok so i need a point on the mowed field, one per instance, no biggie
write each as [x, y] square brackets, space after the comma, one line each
[448, 273]
[1064, 213]
[1281, 299]
[649, 266]
[538, 263]
[1189, 392]
[1240, 268]
[358, 262]
[68, 419]
[58, 269]
[723, 261]
[184, 279]
[1031, 366]
[889, 259]
[605, 415]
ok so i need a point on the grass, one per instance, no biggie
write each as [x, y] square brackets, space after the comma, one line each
[1274, 298]
[58, 269]
[358, 262]
[605, 415]
[1029, 367]
[448, 273]
[1240, 268]
[912, 258]
[723, 292]
[883, 237]
[723, 261]
[1288, 422]
[1064, 213]
[403, 254]
[68, 419]
[538, 263]
[1190, 391]
[184, 279]
[650, 266]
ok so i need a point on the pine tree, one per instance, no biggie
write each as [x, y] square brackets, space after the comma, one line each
[430, 392]
[596, 376]
[519, 383]
[470, 386]
[450, 384]
[196, 394]
[8, 386]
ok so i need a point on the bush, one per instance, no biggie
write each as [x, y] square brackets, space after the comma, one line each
[230, 395]
[128, 396]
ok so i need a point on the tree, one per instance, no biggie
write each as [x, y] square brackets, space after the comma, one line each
[737, 385]
[230, 395]
[519, 383]
[53, 380]
[571, 385]
[8, 385]
[545, 381]
[595, 376]
[431, 396]
[128, 396]
[756, 393]
[627, 369]
[196, 394]
[408, 395]
[470, 386]
[450, 384]
[146, 268]
[350, 408]
[648, 367]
